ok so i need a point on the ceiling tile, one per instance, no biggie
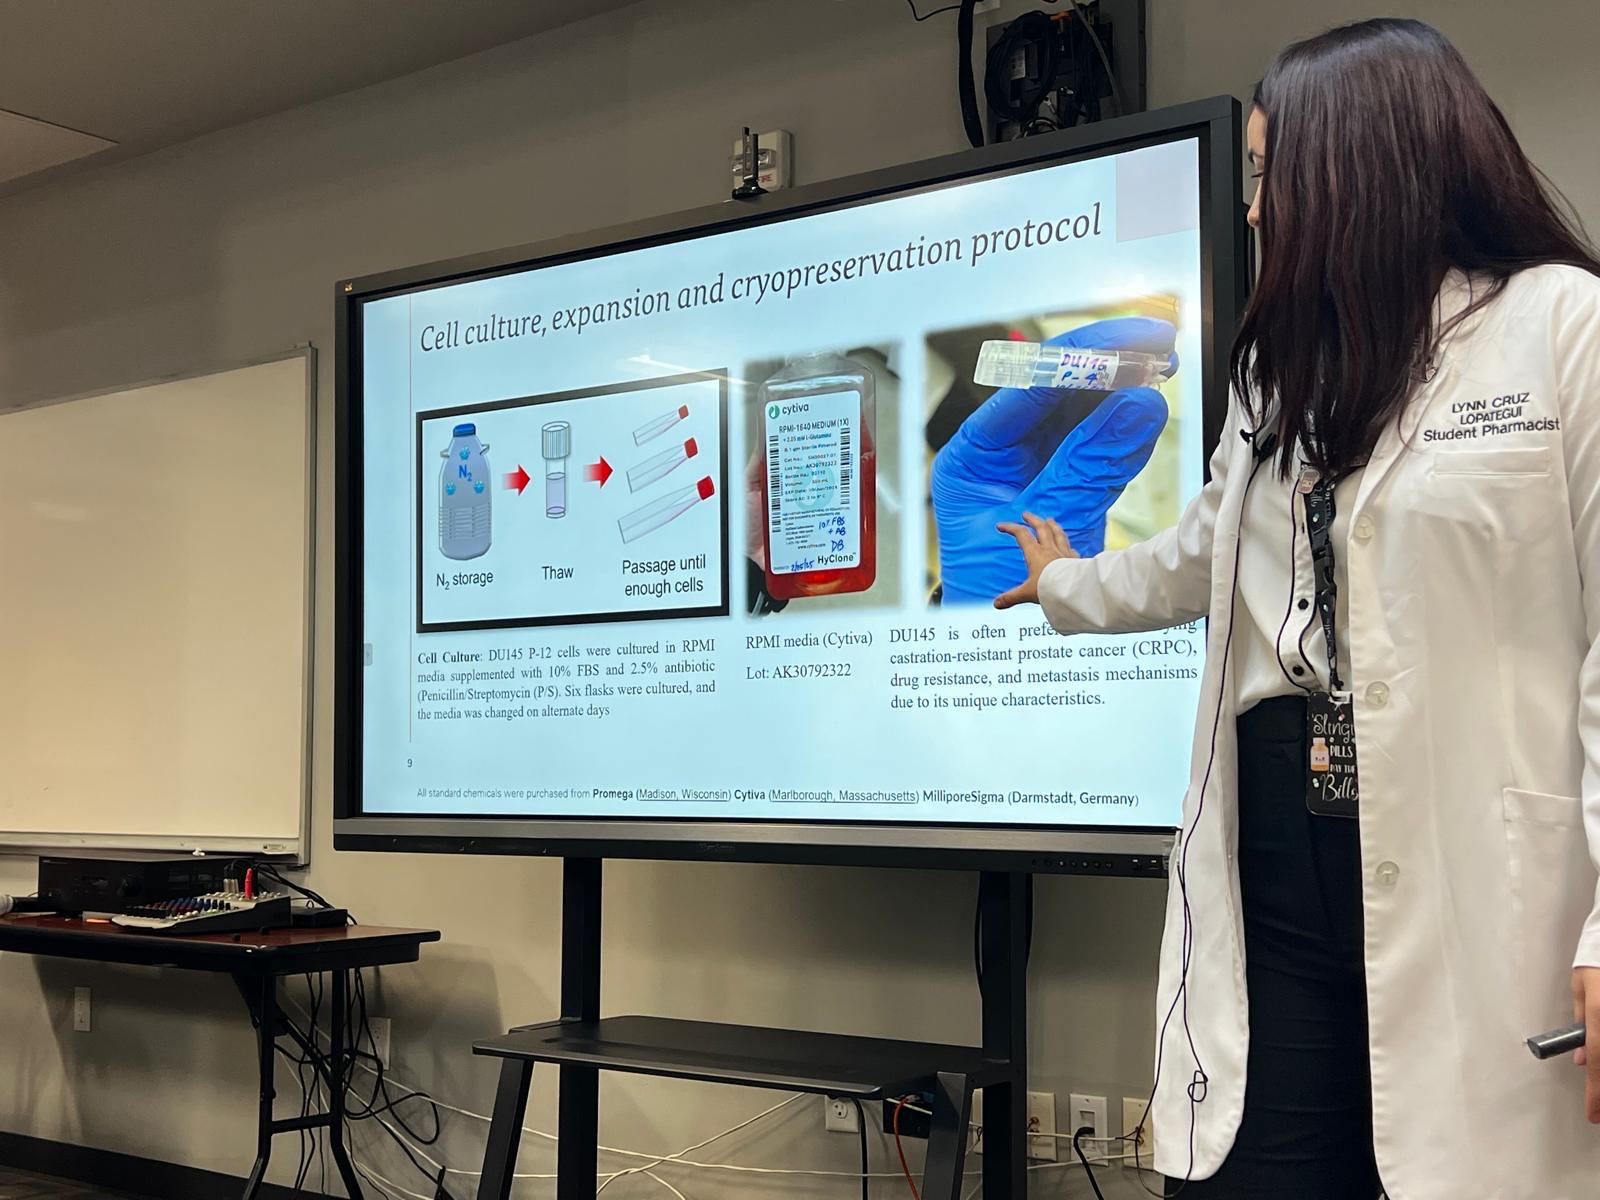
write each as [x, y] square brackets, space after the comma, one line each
[28, 145]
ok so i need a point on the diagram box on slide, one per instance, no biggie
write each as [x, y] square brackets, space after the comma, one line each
[604, 504]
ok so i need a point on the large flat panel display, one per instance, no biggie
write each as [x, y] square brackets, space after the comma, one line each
[684, 542]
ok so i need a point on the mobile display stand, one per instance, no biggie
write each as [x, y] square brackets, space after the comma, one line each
[583, 1044]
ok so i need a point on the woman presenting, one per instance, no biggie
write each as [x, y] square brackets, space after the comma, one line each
[1385, 877]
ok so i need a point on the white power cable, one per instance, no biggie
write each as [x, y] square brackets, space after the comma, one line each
[680, 1159]
[653, 1160]
[387, 1186]
[666, 1158]
[976, 1127]
[1057, 1166]
[423, 1154]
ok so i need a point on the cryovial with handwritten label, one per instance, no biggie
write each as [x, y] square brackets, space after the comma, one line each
[818, 419]
[1032, 364]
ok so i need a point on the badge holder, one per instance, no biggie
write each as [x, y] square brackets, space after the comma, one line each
[1332, 784]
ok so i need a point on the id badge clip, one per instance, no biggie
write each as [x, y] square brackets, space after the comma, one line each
[1332, 785]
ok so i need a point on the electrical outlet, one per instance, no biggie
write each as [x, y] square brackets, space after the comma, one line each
[1042, 1122]
[1133, 1112]
[912, 1122]
[1090, 1111]
[983, 6]
[380, 1039]
[82, 1017]
[840, 1116]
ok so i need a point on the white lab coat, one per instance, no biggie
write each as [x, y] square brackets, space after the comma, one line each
[1474, 594]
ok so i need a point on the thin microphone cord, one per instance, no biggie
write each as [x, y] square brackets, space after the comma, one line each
[1288, 610]
[1200, 1083]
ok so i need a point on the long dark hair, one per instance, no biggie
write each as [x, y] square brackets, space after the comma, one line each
[1387, 165]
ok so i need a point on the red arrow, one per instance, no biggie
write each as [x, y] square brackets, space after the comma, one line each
[517, 480]
[598, 472]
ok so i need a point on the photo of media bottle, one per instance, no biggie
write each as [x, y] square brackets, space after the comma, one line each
[466, 498]
[822, 376]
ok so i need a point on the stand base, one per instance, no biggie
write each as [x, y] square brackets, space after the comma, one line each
[783, 1059]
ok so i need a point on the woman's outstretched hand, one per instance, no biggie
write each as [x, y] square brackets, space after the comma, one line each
[1042, 542]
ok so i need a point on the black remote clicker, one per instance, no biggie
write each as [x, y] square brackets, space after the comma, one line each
[1558, 1041]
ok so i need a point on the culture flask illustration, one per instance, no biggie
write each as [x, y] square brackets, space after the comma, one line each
[466, 498]
[657, 426]
[818, 425]
[664, 511]
[658, 466]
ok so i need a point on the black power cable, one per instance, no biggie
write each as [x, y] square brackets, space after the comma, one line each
[361, 1026]
[916, 16]
[965, 84]
[380, 1102]
[861, 1128]
[272, 873]
[1077, 1148]
[314, 994]
[1016, 96]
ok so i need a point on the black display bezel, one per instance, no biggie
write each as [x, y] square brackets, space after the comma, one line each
[1215, 123]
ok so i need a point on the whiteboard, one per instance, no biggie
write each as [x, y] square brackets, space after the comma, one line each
[155, 615]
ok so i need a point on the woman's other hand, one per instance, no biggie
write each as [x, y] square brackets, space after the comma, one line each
[1042, 542]
[1586, 1008]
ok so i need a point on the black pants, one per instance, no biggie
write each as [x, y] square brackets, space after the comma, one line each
[1307, 1128]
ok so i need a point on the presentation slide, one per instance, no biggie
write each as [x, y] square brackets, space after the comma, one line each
[707, 529]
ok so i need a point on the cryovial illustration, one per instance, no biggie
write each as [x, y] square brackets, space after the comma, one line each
[655, 428]
[1031, 365]
[669, 508]
[659, 466]
[465, 498]
[557, 438]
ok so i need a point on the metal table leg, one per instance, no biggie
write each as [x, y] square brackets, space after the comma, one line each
[337, 1055]
[947, 1137]
[266, 1014]
[261, 997]
[505, 1130]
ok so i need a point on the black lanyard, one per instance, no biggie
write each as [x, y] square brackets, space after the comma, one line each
[1320, 511]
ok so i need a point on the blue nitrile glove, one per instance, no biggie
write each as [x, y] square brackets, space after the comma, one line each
[1013, 454]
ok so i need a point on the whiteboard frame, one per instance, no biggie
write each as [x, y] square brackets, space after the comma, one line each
[298, 851]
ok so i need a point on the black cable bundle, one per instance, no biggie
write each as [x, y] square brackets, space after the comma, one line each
[268, 871]
[1019, 100]
[380, 1102]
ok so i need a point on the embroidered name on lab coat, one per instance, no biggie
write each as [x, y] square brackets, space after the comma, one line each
[1491, 416]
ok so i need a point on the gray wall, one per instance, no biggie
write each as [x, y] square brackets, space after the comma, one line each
[226, 248]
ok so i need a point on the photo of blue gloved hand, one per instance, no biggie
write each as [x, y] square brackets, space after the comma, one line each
[1016, 452]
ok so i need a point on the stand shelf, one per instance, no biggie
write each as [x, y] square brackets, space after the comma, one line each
[582, 1044]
